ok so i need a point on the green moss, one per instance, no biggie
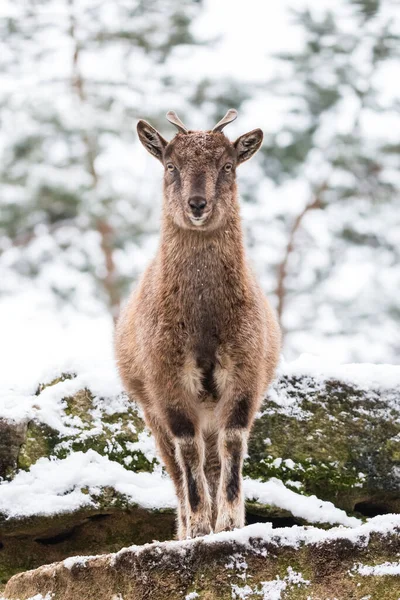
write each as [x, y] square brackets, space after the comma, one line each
[108, 443]
[40, 441]
[321, 478]
[6, 574]
[80, 405]
[382, 587]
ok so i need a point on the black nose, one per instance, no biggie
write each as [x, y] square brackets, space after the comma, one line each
[197, 204]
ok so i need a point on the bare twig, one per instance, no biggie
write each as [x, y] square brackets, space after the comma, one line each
[283, 266]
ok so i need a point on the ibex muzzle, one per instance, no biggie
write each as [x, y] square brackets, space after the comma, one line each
[197, 205]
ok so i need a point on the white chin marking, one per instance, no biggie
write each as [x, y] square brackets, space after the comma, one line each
[197, 222]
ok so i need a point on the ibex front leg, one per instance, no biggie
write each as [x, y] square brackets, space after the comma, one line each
[190, 453]
[166, 447]
[233, 436]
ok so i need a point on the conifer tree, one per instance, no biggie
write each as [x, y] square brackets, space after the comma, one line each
[335, 155]
[78, 75]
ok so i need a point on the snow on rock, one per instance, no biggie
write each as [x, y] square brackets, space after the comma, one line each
[292, 537]
[72, 561]
[270, 590]
[246, 563]
[310, 508]
[296, 535]
[39, 350]
[386, 568]
[60, 485]
[364, 375]
[47, 406]
[55, 486]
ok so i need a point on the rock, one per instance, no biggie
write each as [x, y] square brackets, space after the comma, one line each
[333, 439]
[30, 542]
[109, 425]
[255, 562]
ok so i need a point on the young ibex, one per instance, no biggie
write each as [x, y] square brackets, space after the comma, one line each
[198, 343]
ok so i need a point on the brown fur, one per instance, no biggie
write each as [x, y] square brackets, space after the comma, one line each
[198, 343]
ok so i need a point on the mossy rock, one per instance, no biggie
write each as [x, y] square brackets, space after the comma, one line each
[328, 438]
[265, 564]
[40, 441]
[88, 425]
[331, 439]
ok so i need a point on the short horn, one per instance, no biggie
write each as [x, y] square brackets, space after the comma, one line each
[230, 116]
[175, 120]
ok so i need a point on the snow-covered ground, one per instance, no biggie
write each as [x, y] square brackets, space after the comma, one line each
[293, 536]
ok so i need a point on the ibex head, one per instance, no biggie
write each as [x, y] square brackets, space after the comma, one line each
[200, 170]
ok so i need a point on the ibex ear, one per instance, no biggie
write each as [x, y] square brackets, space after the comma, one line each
[151, 139]
[248, 144]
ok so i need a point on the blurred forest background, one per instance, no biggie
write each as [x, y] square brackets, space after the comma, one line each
[80, 200]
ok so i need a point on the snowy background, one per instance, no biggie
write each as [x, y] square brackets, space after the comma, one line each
[80, 198]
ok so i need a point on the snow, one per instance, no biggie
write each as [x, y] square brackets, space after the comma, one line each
[57, 486]
[364, 375]
[241, 593]
[48, 345]
[292, 537]
[310, 508]
[74, 561]
[387, 568]
[54, 486]
[269, 590]
[145, 444]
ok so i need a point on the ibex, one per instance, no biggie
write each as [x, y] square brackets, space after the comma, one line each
[198, 343]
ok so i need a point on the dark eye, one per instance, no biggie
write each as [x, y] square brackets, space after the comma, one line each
[170, 167]
[228, 167]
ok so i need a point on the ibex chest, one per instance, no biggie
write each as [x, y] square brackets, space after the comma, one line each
[204, 314]
[207, 294]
